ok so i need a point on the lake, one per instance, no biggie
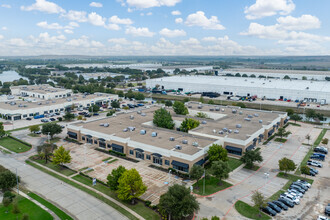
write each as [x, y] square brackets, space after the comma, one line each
[9, 76]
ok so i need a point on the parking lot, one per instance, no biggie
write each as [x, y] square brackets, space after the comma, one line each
[85, 156]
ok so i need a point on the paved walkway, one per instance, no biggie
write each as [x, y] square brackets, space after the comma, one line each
[81, 205]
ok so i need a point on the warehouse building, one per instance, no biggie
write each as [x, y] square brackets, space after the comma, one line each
[44, 91]
[133, 134]
[311, 91]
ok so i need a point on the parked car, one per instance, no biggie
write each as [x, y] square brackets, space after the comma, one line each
[298, 189]
[305, 183]
[300, 185]
[44, 120]
[29, 119]
[314, 161]
[291, 198]
[296, 192]
[88, 116]
[314, 164]
[95, 114]
[314, 157]
[280, 204]
[327, 210]
[140, 104]
[269, 211]
[321, 217]
[319, 154]
[52, 119]
[37, 132]
[313, 170]
[286, 202]
[274, 207]
[321, 150]
[62, 126]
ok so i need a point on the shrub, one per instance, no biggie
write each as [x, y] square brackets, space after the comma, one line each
[148, 203]
[15, 208]
[188, 124]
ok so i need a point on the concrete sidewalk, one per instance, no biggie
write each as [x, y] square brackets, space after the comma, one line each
[81, 205]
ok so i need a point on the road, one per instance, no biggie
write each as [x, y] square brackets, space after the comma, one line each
[80, 204]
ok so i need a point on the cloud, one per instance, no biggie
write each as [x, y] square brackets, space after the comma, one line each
[116, 20]
[114, 27]
[5, 6]
[176, 12]
[199, 19]
[303, 22]
[172, 33]
[96, 4]
[265, 32]
[96, 19]
[4, 28]
[139, 32]
[68, 31]
[265, 8]
[17, 42]
[118, 41]
[79, 16]
[178, 20]
[57, 26]
[84, 41]
[143, 4]
[1, 37]
[190, 41]
[44, 6]
[44, 39]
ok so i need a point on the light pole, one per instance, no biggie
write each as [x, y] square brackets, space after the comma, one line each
[266, 178]
[48, 138]
[169, 177]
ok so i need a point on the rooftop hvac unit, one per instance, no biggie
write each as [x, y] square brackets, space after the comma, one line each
[211, 109]
[203, 122]
[200, 107]
[69, 100]
[185, 141]
[154, 134]
[241, 113]
[234, 111]
[220, 132]
[53, 101]
[178, 147]
[236, 131]
[106, 125]
[47, 102]
[260, 121]
[172, 139]
[143, 114]
[131, 117]
[39, 103]
[230, 131]
[250, 116]
[238, 126]
[223, 110]
[189, 106]
[139, 112]
[143, 132]
[217, 109]
[247, 119]
[195, 144]
[131, 128]
[256, 115]
[225, 129]
[75, 98]
[125, 130]
[20, 105]
[101, 124]
[214, 131]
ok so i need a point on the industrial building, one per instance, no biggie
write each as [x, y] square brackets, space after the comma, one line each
[311, 91]
[134, 134]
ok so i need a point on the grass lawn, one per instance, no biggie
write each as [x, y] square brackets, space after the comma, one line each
[5, 151]
[92, 193]
[64, 171]
[276, 195]
[294, 124]
[34, 135]
[282, 140]
[14, 145]
[291, 179]
[254, 167]
[310, 152]
[114, 160]
[54, 140]
[211, 186]
[234, 163]
[107, 159]
[250, 212]
[62, 215]
[139, 208]
[25, 206]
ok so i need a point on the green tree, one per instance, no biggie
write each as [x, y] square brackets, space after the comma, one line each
[139, 96]
[201, 99]
[120, 93]
[290, 111]
[286, 77]
[34, 128]
[130, 186]
[51, 129]
[217, 152]
[305, 170]
[7, 180]
[220, 170]
[61, 156]
[179, 108]
[325, 141]
[188, 124]
[178, 202]
[45, 151]
[240, 104]
[6, 202]
[201, 115]
[114, 177]
[215, 218]
[115, 104]
[196, 172]
[210, 102]
[68, 116]
[163, 119]
[244, 75]
[286, 165]
[295, 117]
[304, 78]
[308, 137]
[283, 133]
[2, 131]
[130, 85]
[94, 108]
[310, 114]
[25, 217]
[251, 156]
[259, 200]
[238, 75]
[15, 209]
[168, 103]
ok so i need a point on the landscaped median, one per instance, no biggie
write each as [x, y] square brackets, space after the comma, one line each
[292, 178]
[14, 144]
[211, 186]
[139, 208]
[311, 150]
[249, 211]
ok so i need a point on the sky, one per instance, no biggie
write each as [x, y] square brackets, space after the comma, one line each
[164, 27]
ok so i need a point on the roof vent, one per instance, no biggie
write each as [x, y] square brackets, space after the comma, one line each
[154, 134]
[256, 115]
[217, 109]
[143, 114]
[131, 117]
[230, 131]
[143, 132]
[260, 121]
[131, 128]
[172, 139]
[203, 122]
[247, 119]
[238, 126]
[139, 112]
[214, 131]
[106, 125]
[220, 132]
[185, 141]
[200, 107]
[125, 130]
[223, 110]
[250, 116]
[225, 129]
[195, 144]
[241, 113]
[236, 131]
[234, 111]
[178, 147]
[211, 109]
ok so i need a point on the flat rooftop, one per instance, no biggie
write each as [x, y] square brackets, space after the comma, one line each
[270, 71]
[121, 121]
[30, 103]
[42, 89]
[229, 120]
